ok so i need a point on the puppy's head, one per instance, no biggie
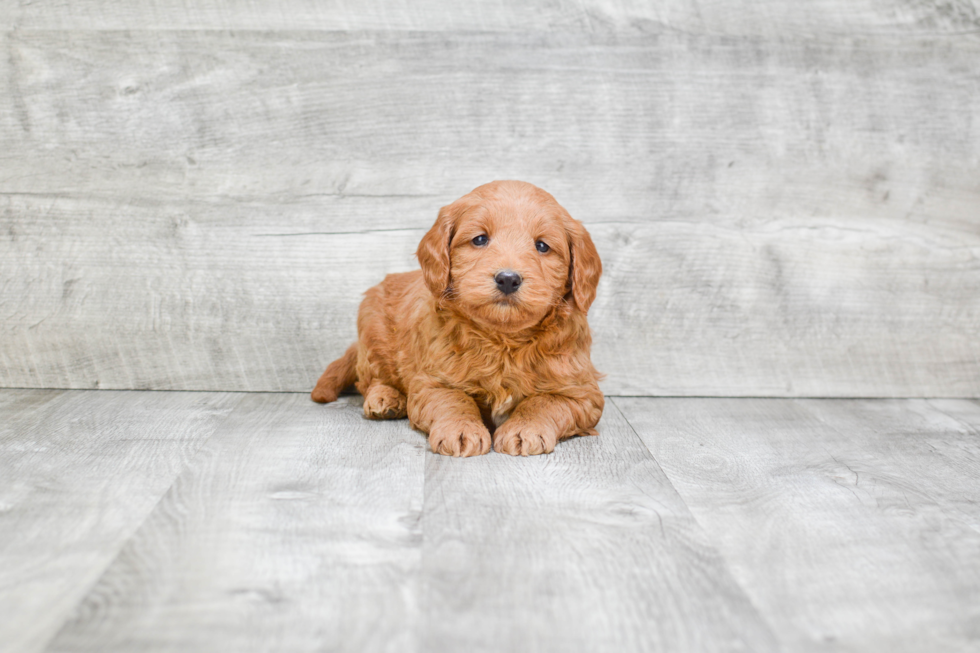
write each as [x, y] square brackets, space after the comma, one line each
[507, 253]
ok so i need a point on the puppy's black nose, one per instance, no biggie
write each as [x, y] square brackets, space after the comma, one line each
[508, 281]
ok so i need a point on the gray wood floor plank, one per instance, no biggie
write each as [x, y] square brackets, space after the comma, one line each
[930, 449]
[588, 549]
[774, 18]
[852, 525]
[296, 527]
[79, 471]
[173, 204]
[967, 412]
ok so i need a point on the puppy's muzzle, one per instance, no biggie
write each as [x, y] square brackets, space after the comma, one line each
[507, 281]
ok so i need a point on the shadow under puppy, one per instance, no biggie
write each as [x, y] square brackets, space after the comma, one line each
[490, 336]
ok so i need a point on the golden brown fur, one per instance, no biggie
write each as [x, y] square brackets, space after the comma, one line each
[446, 347]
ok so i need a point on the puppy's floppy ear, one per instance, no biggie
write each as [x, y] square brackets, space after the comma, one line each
[584, 267]
[433, 251]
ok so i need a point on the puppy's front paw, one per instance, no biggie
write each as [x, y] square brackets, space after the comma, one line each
[384, 402]
[460, 438]
[520, 437]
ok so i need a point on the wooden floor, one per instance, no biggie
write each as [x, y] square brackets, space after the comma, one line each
[159, 521]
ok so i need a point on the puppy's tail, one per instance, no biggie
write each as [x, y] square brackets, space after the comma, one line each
[338, 375]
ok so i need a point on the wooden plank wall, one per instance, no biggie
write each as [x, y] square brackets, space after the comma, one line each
[786, 196]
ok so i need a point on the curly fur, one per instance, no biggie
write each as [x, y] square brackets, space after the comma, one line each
[468, 365]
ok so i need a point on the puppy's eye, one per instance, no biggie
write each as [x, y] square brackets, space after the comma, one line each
[542, 247]
[481, 240]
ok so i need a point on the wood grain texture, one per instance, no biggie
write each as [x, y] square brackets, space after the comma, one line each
[295, 528]
[79, 472]
[587, 549]
[774, 18]
[717, 524]
[777, 217]
[801, 307]
[852, 525]
[615, 125]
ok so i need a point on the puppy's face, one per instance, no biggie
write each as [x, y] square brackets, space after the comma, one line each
[507, 253]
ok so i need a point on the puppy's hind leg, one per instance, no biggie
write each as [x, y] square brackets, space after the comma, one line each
[338, 375]
[384, 402]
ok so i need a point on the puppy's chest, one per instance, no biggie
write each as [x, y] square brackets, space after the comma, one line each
[499, 394]
[498, 382]
[499, 405]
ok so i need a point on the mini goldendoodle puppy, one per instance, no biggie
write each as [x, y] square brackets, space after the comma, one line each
[490, 336]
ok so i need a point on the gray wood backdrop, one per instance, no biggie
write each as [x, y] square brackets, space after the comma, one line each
[786, 195]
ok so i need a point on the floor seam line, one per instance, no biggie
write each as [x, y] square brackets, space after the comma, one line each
[721, 556]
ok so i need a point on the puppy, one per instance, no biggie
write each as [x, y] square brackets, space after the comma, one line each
[488, 342]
